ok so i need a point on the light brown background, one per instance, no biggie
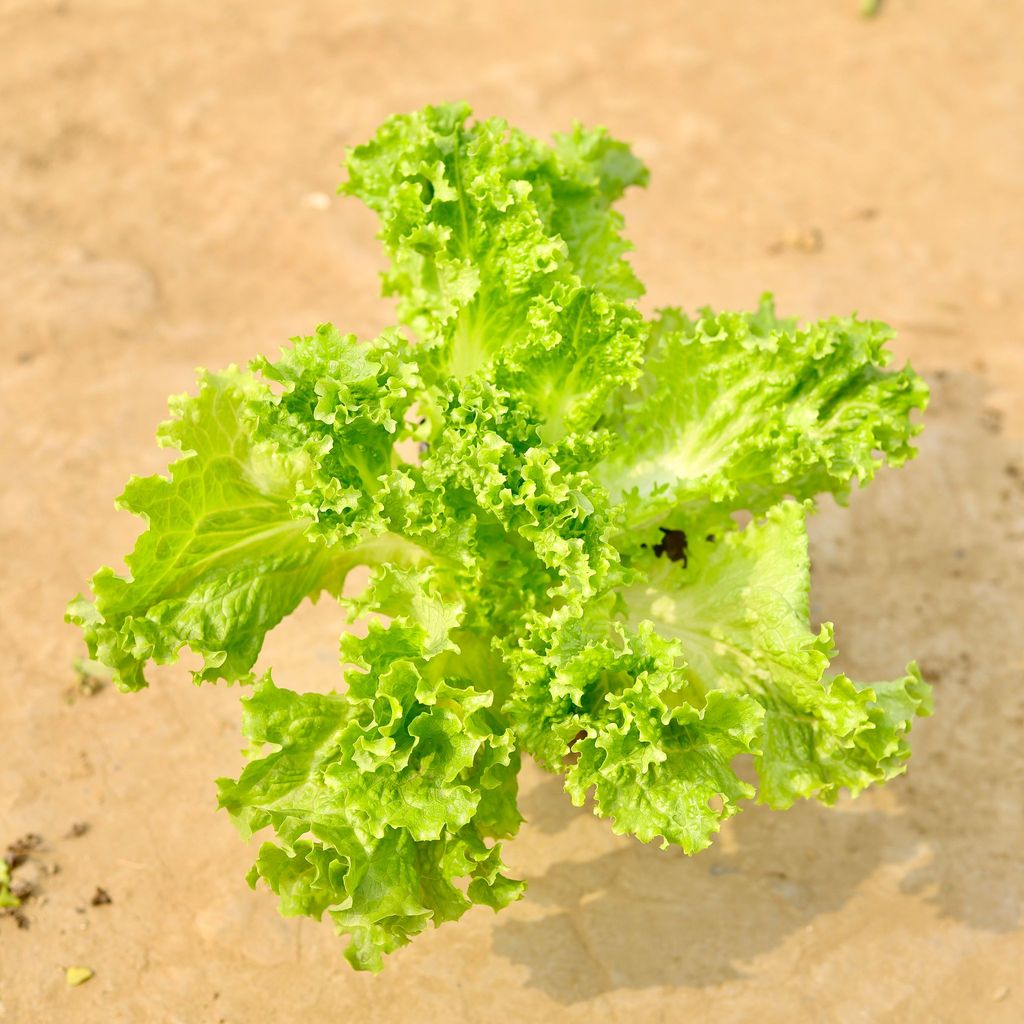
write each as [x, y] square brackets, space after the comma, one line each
[164, 168]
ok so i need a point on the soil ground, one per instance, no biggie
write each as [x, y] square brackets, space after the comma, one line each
[165, 168]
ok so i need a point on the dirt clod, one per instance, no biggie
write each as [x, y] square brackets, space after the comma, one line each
[22, 889]
[92, 679]
[992, 420]
[795, 239]
[18, 851]
[100, 897]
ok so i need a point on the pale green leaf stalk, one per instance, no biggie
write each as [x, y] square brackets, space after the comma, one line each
[558, 573]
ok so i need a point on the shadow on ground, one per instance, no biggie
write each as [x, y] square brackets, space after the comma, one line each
[928, 564]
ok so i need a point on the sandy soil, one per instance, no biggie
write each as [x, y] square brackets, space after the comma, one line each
[164, 173]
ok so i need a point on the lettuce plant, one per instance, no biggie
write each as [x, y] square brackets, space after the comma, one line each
[548, 489]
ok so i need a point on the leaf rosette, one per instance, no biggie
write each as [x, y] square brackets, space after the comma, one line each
[559, 572]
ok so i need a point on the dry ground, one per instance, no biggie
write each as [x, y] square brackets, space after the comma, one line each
[164, 168]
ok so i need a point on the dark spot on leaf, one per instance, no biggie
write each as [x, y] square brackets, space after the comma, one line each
[673, 545]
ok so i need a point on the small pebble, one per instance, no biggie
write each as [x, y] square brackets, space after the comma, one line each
[78, 975]
[317, 200]
[722, 869]
[809, 240]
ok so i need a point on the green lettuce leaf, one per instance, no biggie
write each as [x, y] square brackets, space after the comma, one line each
[507, 257]
[236, 533]
[606, 705]
[222, 559]
[344, 405]
[535, 514]
[739, 410]
[385, 797]
[739, 610]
